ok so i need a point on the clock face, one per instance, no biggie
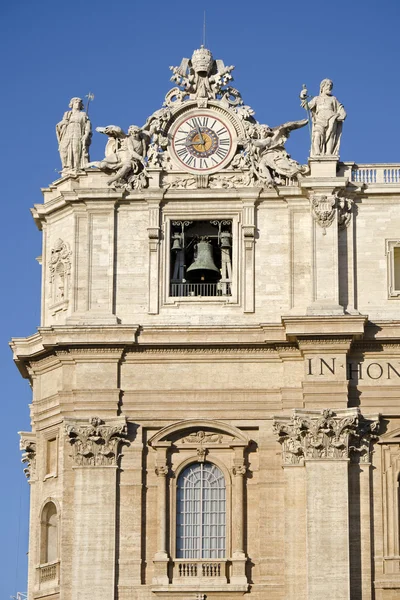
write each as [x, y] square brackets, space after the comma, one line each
[202, 142]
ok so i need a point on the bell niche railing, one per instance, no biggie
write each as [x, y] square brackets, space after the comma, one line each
[204, 290]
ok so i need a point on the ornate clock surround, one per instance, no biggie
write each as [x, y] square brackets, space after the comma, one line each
[213, 111]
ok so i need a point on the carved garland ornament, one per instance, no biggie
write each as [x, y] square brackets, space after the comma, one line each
[325, 436]
[96, 443]
[201, 437]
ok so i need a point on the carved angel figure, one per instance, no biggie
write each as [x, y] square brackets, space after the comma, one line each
[154, 129]
[155, 125]
[124, 154]
[269, 153]
[74, 134]
[327, 121]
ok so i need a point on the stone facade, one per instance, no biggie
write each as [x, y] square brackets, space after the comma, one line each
[284, 374]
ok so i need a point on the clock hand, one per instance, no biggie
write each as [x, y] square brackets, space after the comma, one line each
[200, 134]
[194, 143]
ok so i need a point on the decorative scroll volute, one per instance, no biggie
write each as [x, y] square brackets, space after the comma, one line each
[96, 443]
[239, 468]
[325, 435]
[345, 209]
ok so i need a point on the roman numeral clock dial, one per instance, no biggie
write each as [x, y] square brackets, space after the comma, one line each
[202, 142]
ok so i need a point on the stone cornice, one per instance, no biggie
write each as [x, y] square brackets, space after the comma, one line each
[324, 326]
[307, 334]
[383, 330]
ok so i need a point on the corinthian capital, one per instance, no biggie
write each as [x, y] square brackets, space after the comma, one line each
[324, 434]
[96, 443]
[27, 445]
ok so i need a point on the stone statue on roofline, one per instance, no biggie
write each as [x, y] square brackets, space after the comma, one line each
[327, 115]
[250, 154]
[74, 134]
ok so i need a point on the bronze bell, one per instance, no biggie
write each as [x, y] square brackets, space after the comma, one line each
[203, 268]
[177, 242]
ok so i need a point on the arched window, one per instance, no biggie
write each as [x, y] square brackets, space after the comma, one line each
[49, 537]
[201, 512]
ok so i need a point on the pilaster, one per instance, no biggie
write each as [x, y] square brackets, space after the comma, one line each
[295, 532]
[95, 453]
[248, 231]
[323, 441]
[161, 557]
[324, 189]
[94, 262]
[153, 231]
[238, 555]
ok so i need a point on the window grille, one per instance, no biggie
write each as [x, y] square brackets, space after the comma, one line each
[201, 512]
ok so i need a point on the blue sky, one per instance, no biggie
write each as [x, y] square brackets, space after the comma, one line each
[121, 51]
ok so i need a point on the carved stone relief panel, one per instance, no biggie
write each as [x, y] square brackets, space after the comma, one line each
[60, 273]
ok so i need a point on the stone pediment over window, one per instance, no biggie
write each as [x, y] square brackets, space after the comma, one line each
[200, 432]
[391, 437]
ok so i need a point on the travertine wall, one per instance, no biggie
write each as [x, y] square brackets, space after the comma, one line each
[294, 519]
[274, 384]
[110, 257]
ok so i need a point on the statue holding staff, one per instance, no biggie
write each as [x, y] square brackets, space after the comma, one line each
[74, 134]
[327, 120]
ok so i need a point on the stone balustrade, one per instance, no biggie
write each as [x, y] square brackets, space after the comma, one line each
[49, 574]
[199, 569]
[368, 174]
